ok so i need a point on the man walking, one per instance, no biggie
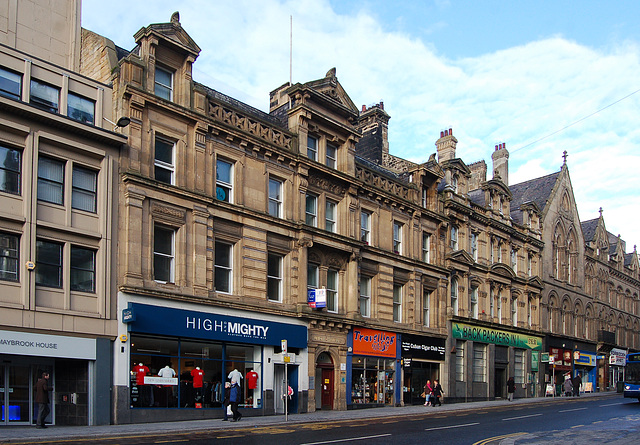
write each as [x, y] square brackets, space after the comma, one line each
[577, 381]
[42, 399]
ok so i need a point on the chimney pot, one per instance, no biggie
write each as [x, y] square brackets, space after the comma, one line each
[382, 105]
[450, 131]
[504, 145]
[364, 108]
[496, 147]
[442, 134]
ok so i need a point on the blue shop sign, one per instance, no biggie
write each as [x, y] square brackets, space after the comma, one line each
[584, 358]
[158, 320]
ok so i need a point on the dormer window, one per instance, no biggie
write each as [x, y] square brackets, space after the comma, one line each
[312, 148]
[164, 83]
[454, 183]
[44, 96]
[331, 156]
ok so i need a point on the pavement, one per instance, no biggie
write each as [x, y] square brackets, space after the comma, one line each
[16, 434]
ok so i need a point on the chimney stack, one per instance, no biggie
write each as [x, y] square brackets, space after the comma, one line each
[500, 158]
[446, 145]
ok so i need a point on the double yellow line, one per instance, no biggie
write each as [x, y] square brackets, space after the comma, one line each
[491, 439]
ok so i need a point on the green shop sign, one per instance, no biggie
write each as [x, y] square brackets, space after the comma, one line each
[464, 331]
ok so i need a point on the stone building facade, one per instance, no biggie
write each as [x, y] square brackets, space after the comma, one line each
[58, 224]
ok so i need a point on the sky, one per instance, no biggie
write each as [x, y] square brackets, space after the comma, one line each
[541, 76]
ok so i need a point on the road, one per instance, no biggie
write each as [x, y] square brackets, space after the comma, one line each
[543, 422]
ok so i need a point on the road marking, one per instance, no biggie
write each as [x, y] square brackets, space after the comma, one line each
[569, 410]
[612, 404]
[576, 426]
[522, 417]
[171, 441]
[347, 440]
[491, 439]
[451, 426]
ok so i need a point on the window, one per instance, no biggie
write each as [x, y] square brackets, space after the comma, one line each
[331, 156]
[473, 241]
[529, 312]
[274, 277]
[311, 210]
[397, 237]
[44, 96]
[84, 189]
[514, 260]
[312, 148]
[499, 252]
[10, 170]
[313, 276]
[365, 296]
[164, 83]
[425, 194]
[330, 216]
[48, 264]
[454, 183]
[491, 303]
[454, 295]
[275, 197]
[473, 303]
[332, 290]
[460, 360]
[397, 303]
[514, 311]
[499, 301]
[454, 237]
[530, 265]
[492, 246]
[426, 247]
[83, 269]
[479, 362]
[164, 161]
[365, 227]
[223, 267]
[224, 180]
[163, 254]
[426, 303]
[81, 109]
[519, 365]
[50, 180]
[9, 257]
[10, 84]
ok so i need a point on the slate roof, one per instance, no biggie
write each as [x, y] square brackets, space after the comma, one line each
[627, 259]
[477, 197]
[535, 190]
[589, 229]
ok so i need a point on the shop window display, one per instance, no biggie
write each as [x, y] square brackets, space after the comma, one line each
[372, 381]
[200, 369]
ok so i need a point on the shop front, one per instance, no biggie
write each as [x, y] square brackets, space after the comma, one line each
[617, 361]
[80, 373]
[422, 360]
[586, 366]
[373, 363]
[560, 368]
[173, 362]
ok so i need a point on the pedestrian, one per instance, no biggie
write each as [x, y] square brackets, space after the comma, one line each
[511, 388]
[226, 404]
[234, 398]
[438, 392]
[577, 381]
[568, 386]
[428, 389]
[42, 399]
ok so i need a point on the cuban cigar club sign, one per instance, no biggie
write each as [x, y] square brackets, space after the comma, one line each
[482, 334]
[148, 319]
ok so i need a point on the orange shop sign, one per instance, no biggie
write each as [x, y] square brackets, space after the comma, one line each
[372, 342]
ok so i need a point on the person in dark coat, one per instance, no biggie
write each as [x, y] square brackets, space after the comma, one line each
[234, 398]
[437, 394]
[577, 381]
[42, 399]
[226, 402]
[511, 388]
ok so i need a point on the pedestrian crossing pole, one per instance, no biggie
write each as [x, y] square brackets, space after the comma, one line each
[285, 391]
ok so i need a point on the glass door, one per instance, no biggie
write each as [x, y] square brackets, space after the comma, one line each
[15, 393]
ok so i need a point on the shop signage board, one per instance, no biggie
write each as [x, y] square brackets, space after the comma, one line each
[618, 357]
[203, 325]
[482, 334]
[46, 345]
[535, 358]
[584, 358]
[373, 342]
[317, 298]
[427, 348]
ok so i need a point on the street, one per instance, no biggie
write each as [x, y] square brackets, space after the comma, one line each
[521, 423]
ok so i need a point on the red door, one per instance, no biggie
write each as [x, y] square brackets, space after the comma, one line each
[327, 389]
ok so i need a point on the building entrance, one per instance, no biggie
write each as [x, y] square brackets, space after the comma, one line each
[17, 385]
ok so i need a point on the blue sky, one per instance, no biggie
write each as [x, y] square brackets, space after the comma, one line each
[496, 71]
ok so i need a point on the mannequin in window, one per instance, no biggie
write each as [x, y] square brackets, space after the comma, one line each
[140, 371]
[235, 376]
[171, 390]
[252, 379]
[198, 379]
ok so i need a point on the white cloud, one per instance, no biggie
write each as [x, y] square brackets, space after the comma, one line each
[517, 95]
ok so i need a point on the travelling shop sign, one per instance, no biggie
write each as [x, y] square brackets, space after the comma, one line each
[465, 331]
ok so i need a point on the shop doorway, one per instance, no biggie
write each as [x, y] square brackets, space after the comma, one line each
[17, 394]
[324, 382]
[500, 383]
[280, 388]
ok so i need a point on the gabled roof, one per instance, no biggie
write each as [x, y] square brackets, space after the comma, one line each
[589, 229]
[171, 32]
[536, 190]
[330, 87]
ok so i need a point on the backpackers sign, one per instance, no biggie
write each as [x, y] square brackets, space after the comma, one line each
[482, 334]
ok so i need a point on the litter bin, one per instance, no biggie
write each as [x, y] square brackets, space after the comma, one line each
[620, 387]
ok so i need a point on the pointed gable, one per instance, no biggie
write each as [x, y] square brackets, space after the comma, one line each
[171, 33]
[330, 87]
